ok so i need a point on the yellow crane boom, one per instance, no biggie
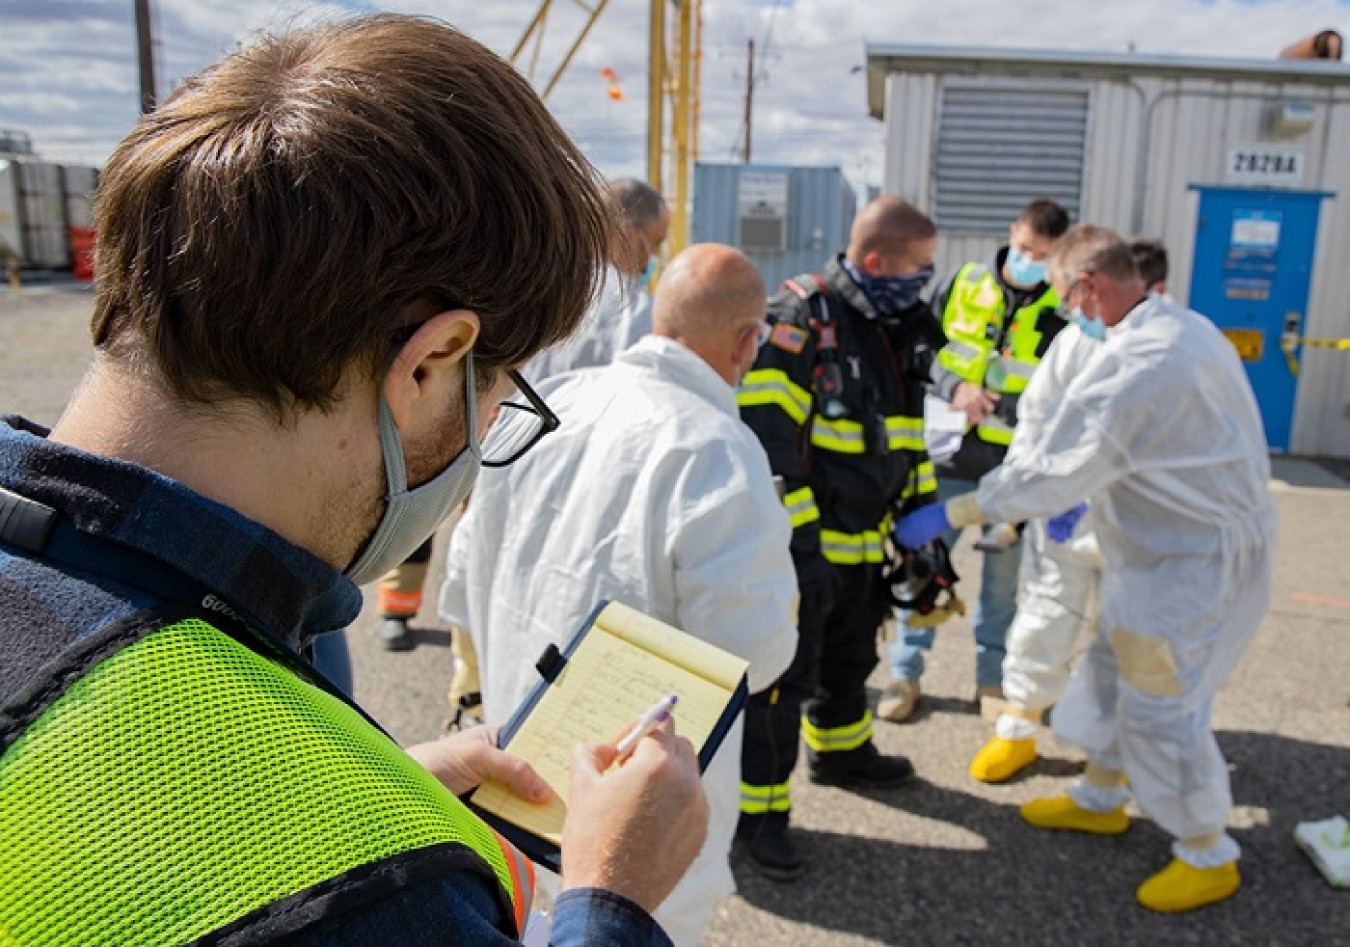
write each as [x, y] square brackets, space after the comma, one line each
[671, 147]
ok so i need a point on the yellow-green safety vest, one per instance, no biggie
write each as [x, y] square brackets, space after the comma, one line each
[187, 782]
[973, 322]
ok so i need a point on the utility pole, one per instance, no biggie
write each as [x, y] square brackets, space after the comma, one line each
[656, 90]
[749, 96]
[146, 51]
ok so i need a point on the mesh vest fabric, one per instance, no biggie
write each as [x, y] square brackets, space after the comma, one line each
[186, 781]
[973, 320]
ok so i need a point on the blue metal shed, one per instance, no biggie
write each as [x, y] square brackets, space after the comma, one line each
[788, 220]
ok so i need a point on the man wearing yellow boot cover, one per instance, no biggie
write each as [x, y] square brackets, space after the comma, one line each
[1061, 576]
[1161, 431]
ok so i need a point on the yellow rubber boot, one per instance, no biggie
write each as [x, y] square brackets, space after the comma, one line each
[1183, 887]
[1061, 812]
[1002, 759]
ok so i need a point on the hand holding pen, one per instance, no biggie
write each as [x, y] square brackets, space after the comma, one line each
[634, 829]
[655, 714]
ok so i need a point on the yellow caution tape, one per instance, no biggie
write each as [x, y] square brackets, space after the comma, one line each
[1341, 344]
[1290, 343]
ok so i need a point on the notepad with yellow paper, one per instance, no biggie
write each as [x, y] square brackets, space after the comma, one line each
[615, 667]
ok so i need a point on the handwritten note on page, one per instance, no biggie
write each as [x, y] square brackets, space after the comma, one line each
[624, 664]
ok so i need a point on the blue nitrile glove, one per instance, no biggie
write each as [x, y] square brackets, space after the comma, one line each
[922, 526]
[1060, 528]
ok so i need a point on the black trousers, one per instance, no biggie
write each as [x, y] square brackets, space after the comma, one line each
[836, 653]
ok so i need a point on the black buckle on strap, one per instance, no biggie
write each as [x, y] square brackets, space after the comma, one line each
[25, 523]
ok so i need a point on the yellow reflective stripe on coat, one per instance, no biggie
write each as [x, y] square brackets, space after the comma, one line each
[837, 739]
[851, 549]
[757, 800]
[842, 436]
[846, 437]
[904, 432]
[922, 482]
[801, 507]
[772, 386]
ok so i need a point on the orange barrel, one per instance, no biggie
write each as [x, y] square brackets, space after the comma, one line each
[82, 240]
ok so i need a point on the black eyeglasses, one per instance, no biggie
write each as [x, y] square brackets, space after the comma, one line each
[516, 428]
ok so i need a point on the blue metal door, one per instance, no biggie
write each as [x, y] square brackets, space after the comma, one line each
[1253, 266]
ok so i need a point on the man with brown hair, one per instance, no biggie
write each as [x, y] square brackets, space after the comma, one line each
[321, 263]
[1161, 431]
[836, 398]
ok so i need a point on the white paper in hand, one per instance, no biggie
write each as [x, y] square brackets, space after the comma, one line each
[943, 428]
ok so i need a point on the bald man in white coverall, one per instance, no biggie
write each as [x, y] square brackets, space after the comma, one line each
[654, 494]
[1161, 431]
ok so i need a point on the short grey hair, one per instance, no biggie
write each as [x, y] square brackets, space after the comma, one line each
[1092, 249]
[638, 201]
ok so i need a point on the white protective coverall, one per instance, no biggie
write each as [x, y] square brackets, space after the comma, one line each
[1162, 431]
[1059, 579]
[654, 494]
[620, 314]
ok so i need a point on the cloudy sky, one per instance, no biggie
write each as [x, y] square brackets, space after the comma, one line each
[68, 69]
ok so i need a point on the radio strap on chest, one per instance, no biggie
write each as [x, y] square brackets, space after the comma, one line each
[827, 376]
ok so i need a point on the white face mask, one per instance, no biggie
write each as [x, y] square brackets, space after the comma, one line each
[411, 516]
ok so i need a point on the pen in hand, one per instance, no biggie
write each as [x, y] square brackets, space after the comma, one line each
[655, 714]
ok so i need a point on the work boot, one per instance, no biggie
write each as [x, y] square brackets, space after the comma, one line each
[1061, 812]
[898, 701]
[1001, 759]
[861, 768]
[1183, 887]
[396, 636]
[768, 843]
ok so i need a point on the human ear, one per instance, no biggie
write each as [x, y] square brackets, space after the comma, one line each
[429, 366]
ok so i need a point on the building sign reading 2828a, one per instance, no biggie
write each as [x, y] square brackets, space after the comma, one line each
[1263, 164]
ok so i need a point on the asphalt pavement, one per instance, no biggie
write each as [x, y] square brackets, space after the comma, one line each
[946, 859]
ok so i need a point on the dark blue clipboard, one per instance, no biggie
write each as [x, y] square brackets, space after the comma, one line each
[540, 850]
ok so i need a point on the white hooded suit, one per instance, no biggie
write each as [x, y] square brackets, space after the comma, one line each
[1162, 432]
[1059, 579]
[654, 494]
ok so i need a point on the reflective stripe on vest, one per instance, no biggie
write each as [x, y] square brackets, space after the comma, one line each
[846, 437]
[187, 781]
[995, 430]
[772, 386]
[801, 507]
[971, 321]
[851, 549]
[837, 739]
[757, 800]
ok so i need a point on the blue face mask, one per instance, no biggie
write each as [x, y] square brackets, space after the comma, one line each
[892, 295]
[648, 270]
[1023, 270]
[1092, 327]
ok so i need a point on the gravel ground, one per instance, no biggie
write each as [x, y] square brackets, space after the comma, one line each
[946, 859]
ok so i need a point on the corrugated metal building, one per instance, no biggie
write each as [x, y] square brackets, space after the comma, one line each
[788, 220]
[1238, 166]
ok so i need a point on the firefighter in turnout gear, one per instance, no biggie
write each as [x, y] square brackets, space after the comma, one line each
[836, 398]
[999, 319]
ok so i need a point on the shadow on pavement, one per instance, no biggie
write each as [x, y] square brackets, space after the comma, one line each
[1014, 884]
